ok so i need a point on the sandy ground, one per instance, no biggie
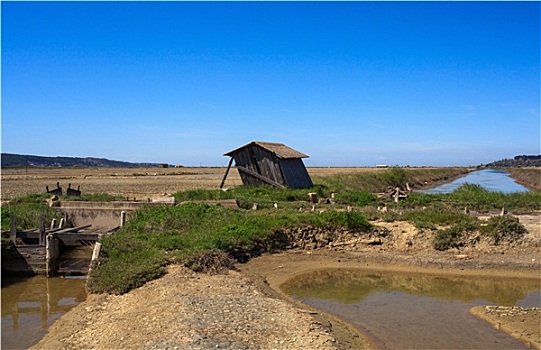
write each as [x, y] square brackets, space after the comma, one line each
[522, 323]
[246, 309]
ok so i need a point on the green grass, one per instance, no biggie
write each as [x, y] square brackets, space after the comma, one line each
[155, 236]
[28, 214]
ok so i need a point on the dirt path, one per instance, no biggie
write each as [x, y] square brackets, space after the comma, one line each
[185, 310]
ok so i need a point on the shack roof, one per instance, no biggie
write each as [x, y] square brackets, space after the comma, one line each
[279, 149]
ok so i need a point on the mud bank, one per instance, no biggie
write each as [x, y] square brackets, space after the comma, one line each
[246, 309]
[274, 270]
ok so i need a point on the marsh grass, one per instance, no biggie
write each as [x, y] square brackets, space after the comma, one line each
[28, 211]
[381, 181]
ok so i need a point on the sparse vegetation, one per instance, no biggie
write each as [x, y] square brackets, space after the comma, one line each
[208, 237]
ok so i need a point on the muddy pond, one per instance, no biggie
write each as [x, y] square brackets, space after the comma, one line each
[30, 305]
[403, 311]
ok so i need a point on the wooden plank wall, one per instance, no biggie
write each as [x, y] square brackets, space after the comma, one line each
[267, 164]
[288, 172]
[27, 260]
[295, 173]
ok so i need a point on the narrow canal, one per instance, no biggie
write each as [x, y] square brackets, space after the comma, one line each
[490, 179]
[403, 311]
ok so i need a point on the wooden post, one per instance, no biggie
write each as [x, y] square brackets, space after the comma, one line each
[95, 256]
[397, 194]
[41, 230]
[122, 218]
[51, 254]
[226, 172]
[96, 251]
[13, 229]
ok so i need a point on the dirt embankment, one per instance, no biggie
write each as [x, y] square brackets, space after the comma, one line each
[522, 323]
[246, 309]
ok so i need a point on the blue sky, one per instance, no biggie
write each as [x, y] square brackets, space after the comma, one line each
[348, 83]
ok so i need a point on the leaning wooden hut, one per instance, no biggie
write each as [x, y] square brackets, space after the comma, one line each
[271, 163]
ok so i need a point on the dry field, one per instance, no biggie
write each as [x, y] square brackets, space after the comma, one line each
[138, 183]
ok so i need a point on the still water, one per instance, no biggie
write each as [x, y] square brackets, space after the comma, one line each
[490, 179]
[30, 305]
[403, 311]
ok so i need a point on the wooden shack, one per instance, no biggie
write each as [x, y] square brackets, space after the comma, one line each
[271, 163]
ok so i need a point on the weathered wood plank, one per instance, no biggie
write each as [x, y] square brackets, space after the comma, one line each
[13, 229]
[260, 177]
[74, 229]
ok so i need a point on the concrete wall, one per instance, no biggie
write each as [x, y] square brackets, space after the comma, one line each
[101, 214]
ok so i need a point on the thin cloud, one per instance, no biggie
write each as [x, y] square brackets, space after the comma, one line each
[206, 104]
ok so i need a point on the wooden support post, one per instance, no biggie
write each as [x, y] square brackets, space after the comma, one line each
[41, 230]
[122, 218]
[96, 251]
[13, 229]
[52, 252]
[226, 172]
[95, 256]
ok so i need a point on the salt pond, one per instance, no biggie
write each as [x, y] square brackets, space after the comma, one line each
[403, 311]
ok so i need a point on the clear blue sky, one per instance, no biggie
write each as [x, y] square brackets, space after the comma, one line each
[348, 83]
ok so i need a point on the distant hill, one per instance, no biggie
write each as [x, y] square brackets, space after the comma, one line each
[20, 160]
[518, 161]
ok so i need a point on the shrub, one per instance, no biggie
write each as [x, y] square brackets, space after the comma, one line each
[504, 228]
[453, 237]
[396, 177]
[213, 262]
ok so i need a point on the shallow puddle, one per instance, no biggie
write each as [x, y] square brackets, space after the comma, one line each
[30, 305]
[403, 311]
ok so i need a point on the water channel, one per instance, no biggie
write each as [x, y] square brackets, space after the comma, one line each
[403, 311]
[490, 179]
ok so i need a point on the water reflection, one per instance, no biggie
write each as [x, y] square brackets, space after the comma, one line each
[490, 179]
[31, 305]
[415, 311]
[352, 286]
